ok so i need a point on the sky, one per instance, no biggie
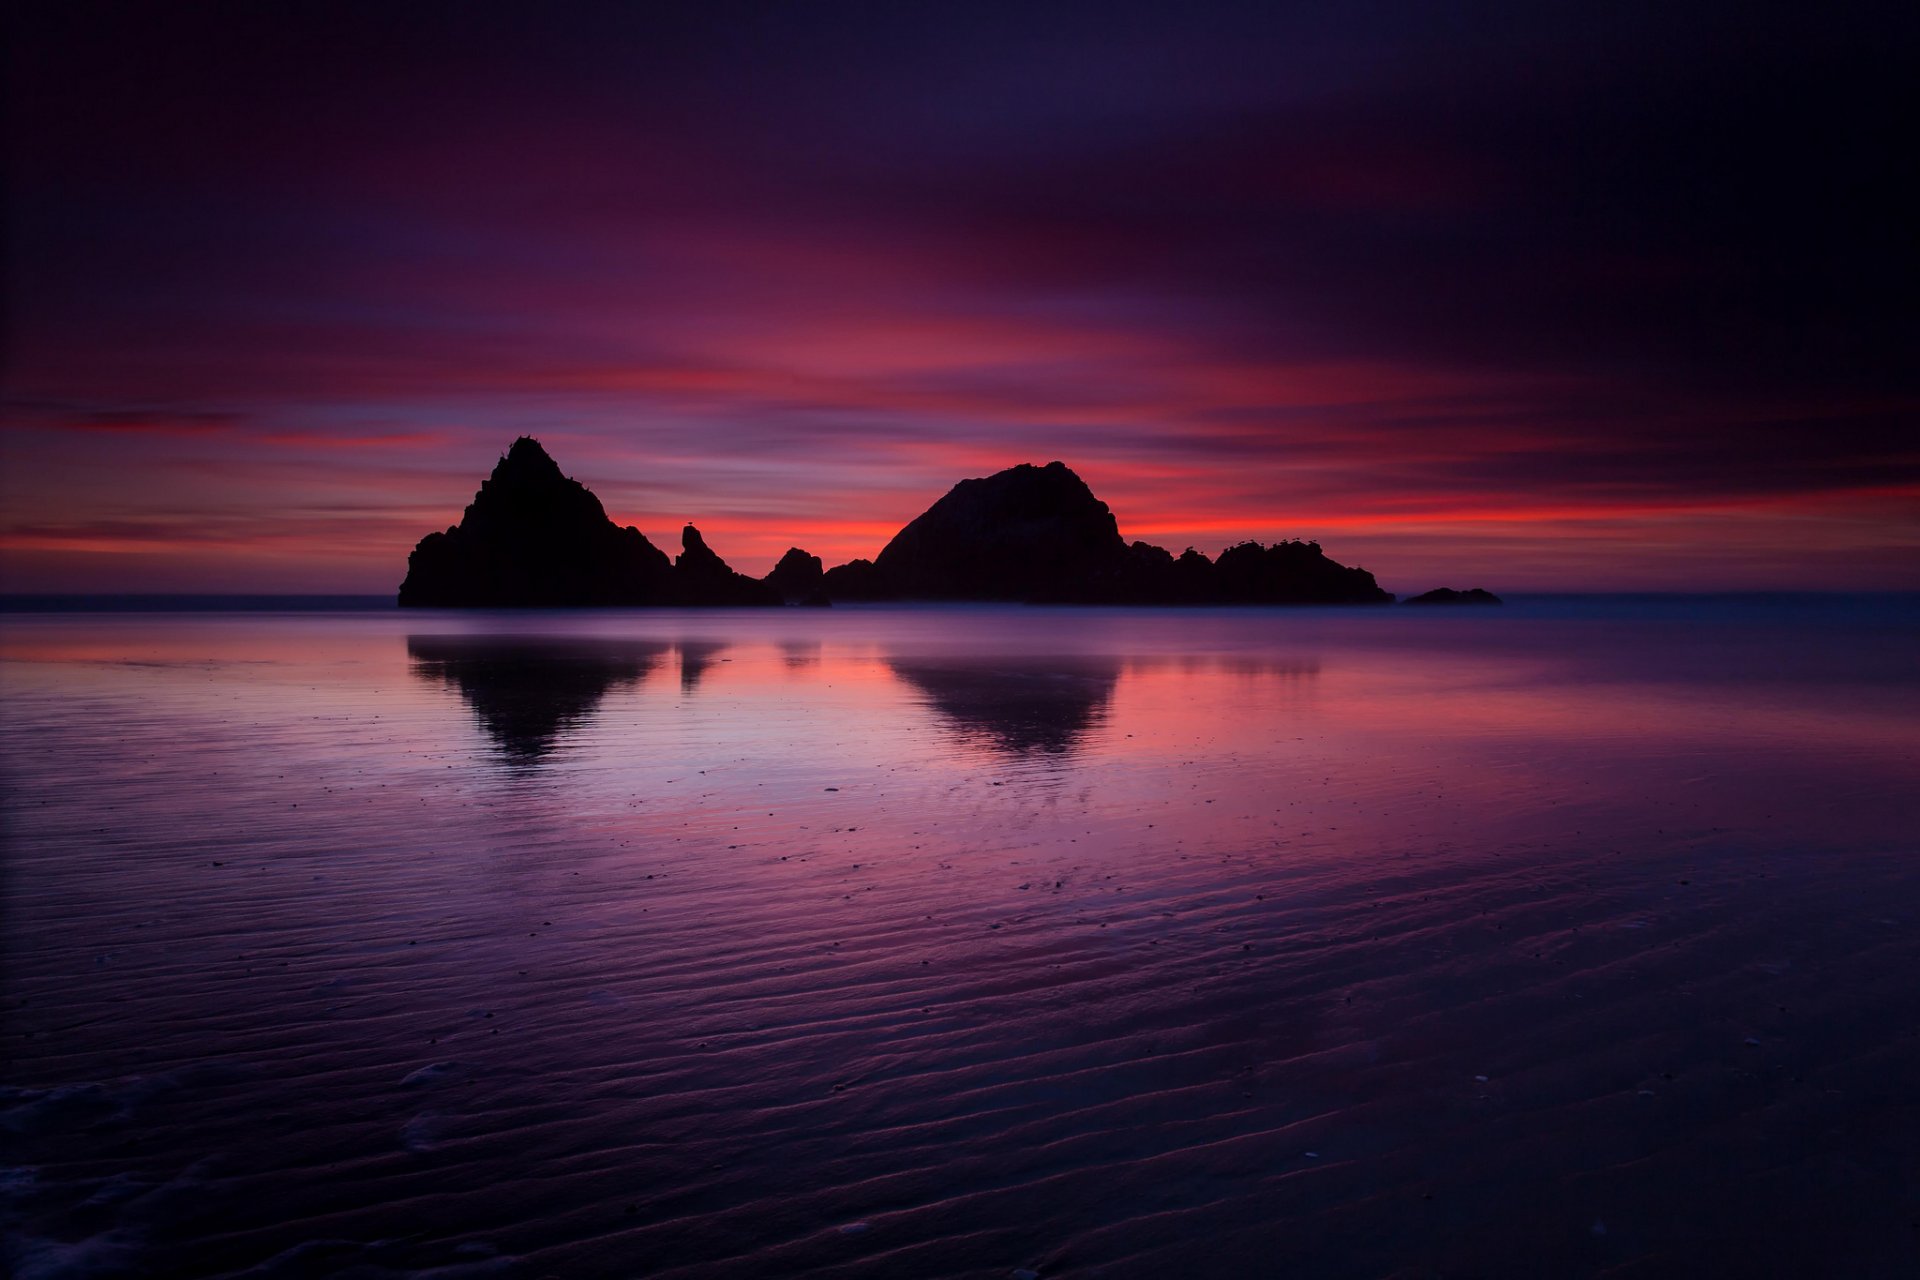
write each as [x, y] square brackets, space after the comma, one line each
[1524, 296]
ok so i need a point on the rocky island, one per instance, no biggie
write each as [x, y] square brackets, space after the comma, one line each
[1037, 534]
[1447, 595]
[532, 537]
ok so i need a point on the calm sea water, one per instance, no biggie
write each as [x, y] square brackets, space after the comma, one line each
[1573, 938]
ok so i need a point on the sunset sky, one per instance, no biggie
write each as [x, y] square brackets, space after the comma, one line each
[1524, 296]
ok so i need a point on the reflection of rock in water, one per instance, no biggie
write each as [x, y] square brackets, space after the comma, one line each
[800, 654]
[1015, 705]
[528, 691]
[695, 657]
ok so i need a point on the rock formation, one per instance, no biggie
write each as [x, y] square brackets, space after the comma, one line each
[701, 577]
[1290, 573]
[1027, 533]
[856, 581]
[799, 578]
[1447, 595]
[1038, 534]
[534, 538]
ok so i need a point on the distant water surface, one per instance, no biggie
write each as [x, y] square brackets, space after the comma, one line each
[1579, 937]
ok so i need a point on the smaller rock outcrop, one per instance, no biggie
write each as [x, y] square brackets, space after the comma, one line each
[1290, 573]
[859, 582]
[1447, 595]
[799, 578]
[701, 577]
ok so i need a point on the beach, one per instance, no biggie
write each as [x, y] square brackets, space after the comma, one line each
[1572, 939]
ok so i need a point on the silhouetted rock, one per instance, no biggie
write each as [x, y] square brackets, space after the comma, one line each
[799, 578]
[701, 577]
[1038, 534]
[1026, 533]
[1193, 578]
[1156, 577]
[534, 538]
[857, 581]
[1290, 573]
[1447, 595]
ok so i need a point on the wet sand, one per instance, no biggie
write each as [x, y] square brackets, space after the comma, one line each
[971, 942]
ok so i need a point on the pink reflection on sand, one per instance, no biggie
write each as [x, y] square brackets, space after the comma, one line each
[960, 911]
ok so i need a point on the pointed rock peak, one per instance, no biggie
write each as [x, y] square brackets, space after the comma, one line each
[704, 578]
[528, 458]
[796, 559]
[531, 537]
[798, 577]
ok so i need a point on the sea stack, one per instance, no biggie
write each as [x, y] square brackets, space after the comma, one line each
[533, 538]
[799, 578]
[1038, 534]
[1447, 595]
[1026, 533]
[701, 577]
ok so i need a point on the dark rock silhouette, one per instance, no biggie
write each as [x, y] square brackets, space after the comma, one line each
[1159, 578]
[1026, 533]
[1038, 534]
[1290, 573]
[701, 577]
[534, 538]
[799, 578]
[1016, 706]
[528, 693]
[857, 581]
[1447, 595]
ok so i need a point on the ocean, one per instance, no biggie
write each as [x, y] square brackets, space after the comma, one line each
[1575, 937]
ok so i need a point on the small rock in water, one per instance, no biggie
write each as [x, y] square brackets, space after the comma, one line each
[1480, 1079]
[1752, 1042]
[854, 1228]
